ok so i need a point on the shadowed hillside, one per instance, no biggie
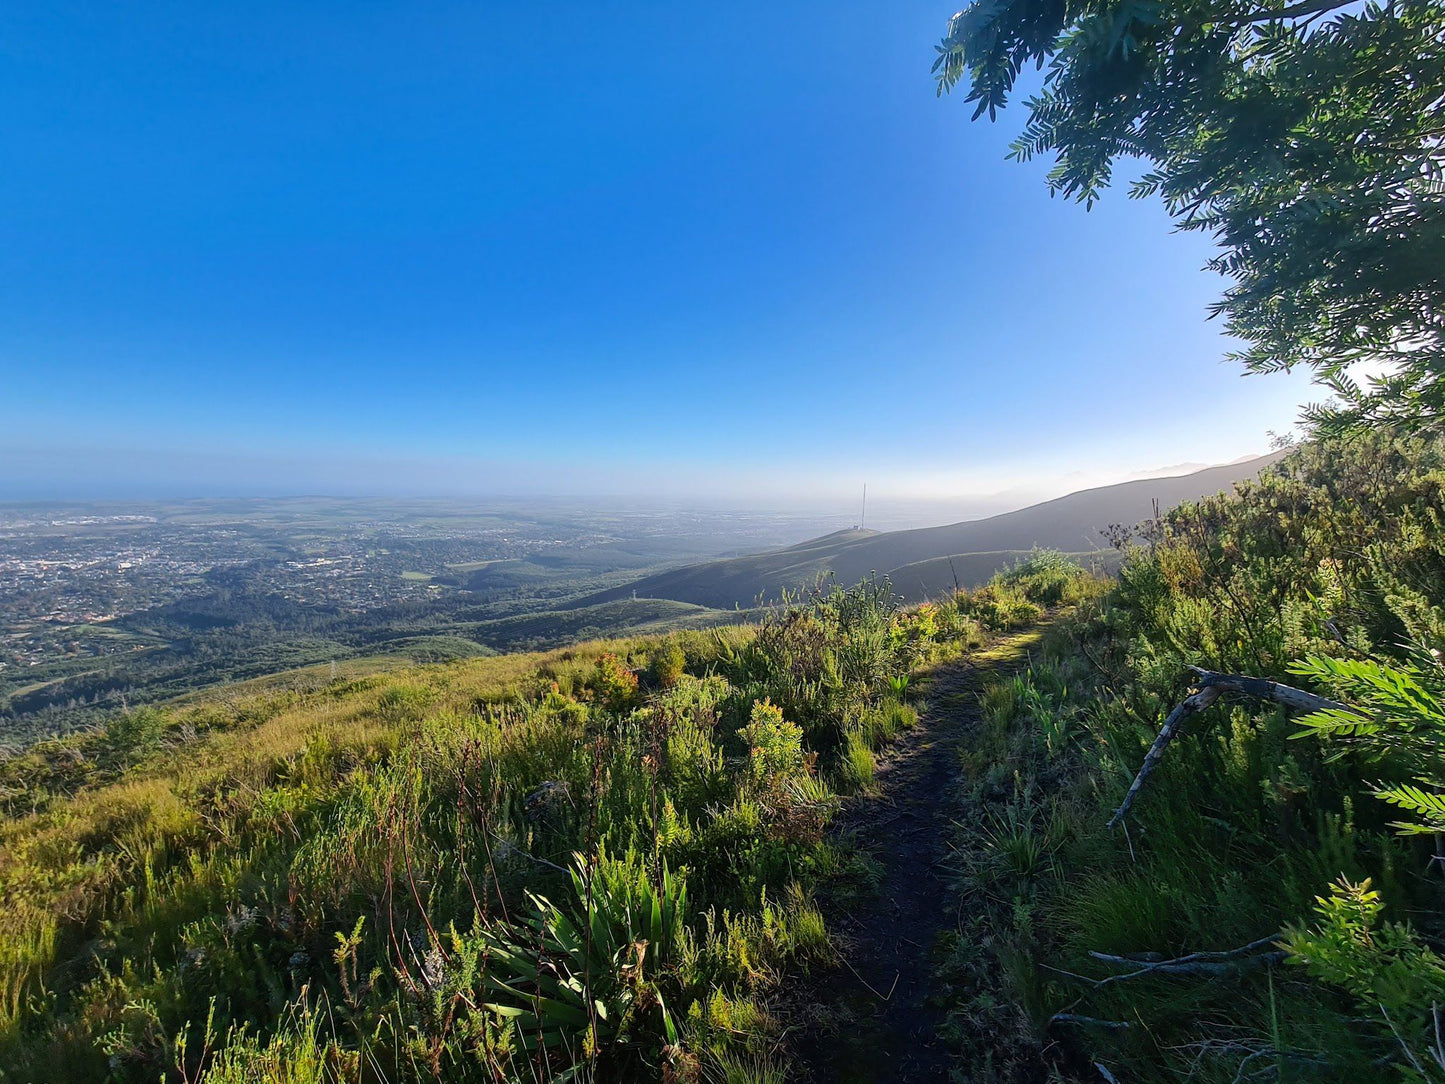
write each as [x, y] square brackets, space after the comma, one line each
[925, 562]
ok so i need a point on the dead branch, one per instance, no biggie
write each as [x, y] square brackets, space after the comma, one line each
[1196, 702]
[1195, 963]
[1249, 1053]
[1209, 687]
[506, 849]
[1264, 689]
[1155, 959]
[1087, 1021]
[869, 985]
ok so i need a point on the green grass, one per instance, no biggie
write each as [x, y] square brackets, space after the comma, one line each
[471, 566]
[336, 871]
[637, 616]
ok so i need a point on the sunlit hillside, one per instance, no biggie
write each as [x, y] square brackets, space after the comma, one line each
[223, 885]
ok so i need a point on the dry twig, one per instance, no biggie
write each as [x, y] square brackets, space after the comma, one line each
[1212, 963]
[1209, 687]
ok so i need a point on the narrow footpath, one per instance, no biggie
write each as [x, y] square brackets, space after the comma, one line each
[874, 1017]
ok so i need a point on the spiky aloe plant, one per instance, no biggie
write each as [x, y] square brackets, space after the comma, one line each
[594, 979]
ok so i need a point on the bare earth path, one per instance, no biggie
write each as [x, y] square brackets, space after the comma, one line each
[874, 1018]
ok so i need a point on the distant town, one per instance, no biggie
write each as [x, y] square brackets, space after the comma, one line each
[105, 605]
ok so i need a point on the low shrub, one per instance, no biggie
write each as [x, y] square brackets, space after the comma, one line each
[666, 665]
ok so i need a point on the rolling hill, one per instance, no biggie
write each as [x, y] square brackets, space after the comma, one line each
[926, 562]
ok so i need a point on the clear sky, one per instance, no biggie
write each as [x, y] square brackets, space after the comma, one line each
[716, 251]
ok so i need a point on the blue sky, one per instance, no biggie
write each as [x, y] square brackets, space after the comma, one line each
[507, 247]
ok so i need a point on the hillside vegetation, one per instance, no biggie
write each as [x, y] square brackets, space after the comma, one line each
[528, 866]
[104, 606]
[1271, 907]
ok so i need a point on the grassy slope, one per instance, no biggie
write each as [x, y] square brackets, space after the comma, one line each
[234, 853]
[936, 576]
[79, 692]
[642, 616]
[221, 847]
[547, 629]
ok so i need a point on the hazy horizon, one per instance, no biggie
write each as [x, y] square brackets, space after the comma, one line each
[888, 507]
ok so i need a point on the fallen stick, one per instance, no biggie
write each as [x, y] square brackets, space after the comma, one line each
[1210, 686]
[1154, 959]
[1150, 963]
[507, 848]
[1087, 1021]
[1210, 963]
[1203, 967]
[1264, 689]
[1187, 707]
[865, 982]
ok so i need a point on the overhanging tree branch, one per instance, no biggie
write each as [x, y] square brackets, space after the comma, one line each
[1293, 11]
[1302, 143]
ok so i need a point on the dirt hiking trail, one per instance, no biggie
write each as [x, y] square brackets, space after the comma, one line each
[875, 1016]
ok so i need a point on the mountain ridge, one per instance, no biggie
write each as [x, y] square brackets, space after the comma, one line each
[926, 562]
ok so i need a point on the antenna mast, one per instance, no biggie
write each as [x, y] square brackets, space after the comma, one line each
[863, 516]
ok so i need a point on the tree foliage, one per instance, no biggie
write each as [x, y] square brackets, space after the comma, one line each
[1308, 138]
[1400, 716]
